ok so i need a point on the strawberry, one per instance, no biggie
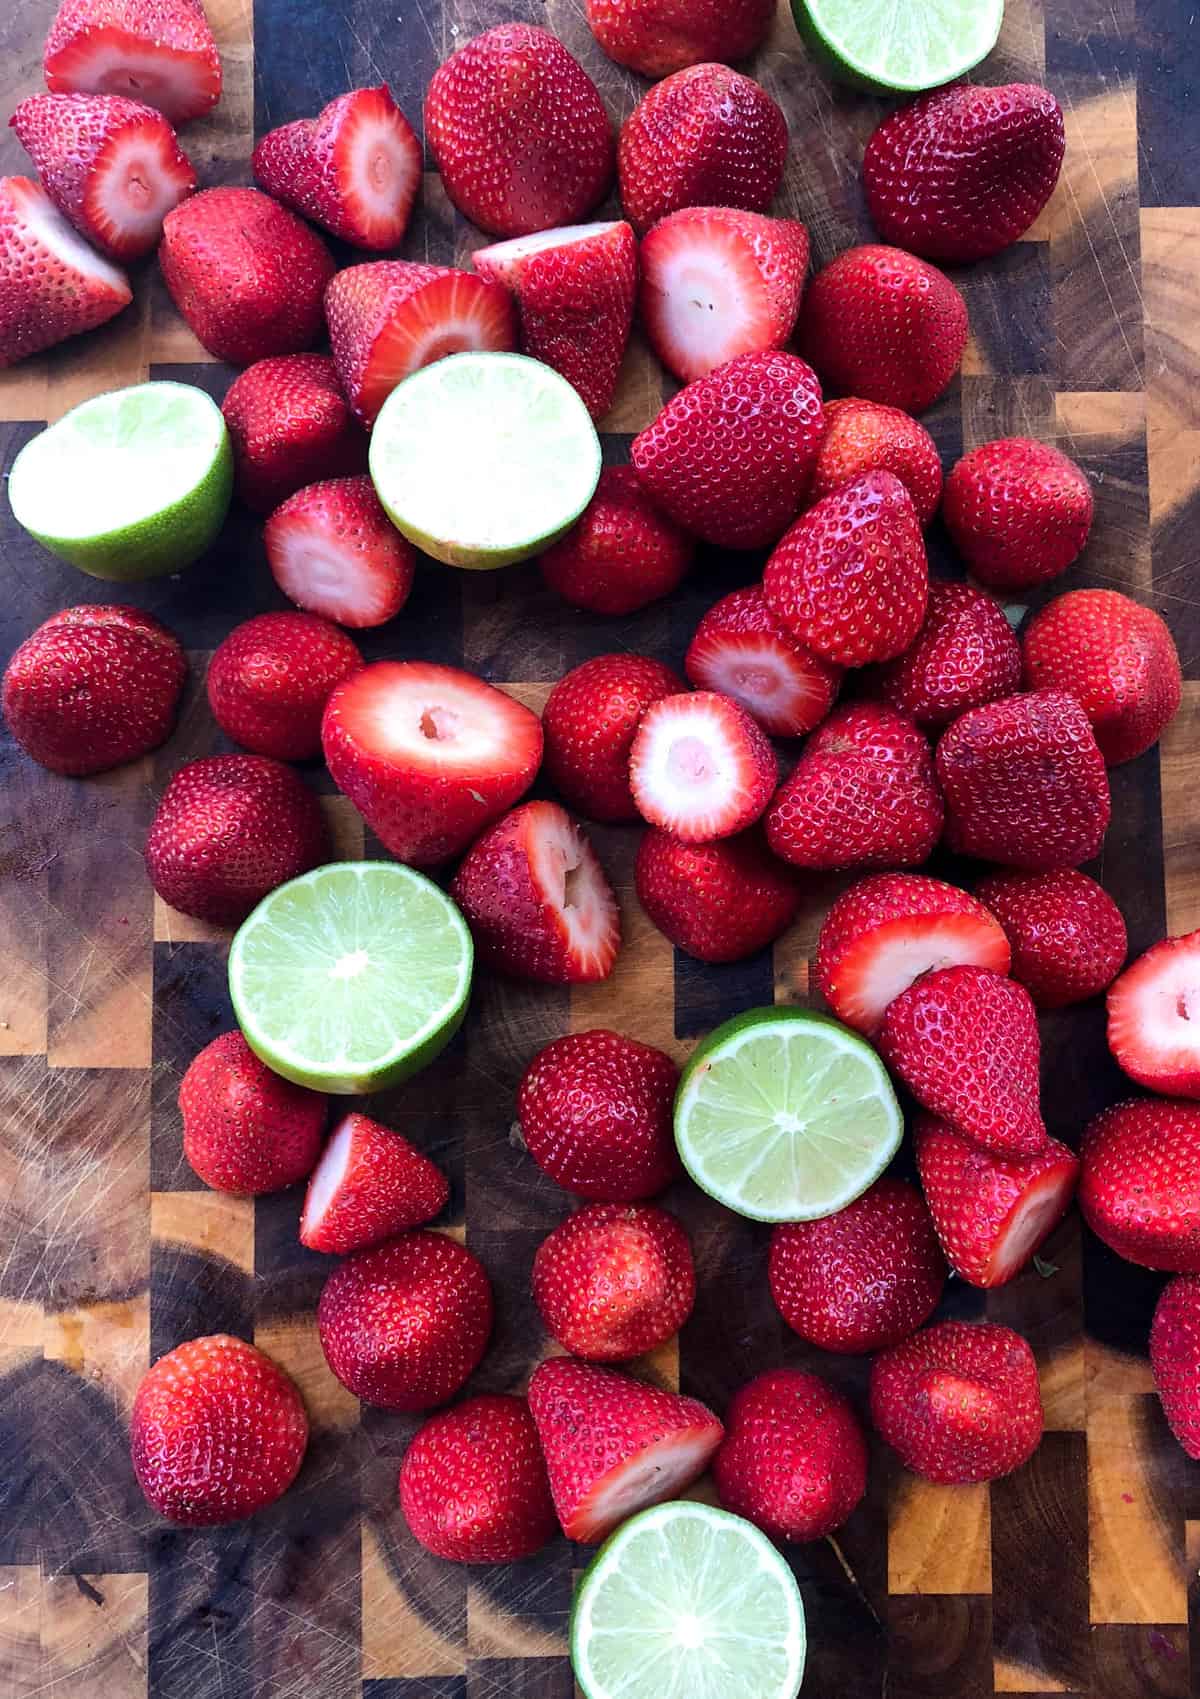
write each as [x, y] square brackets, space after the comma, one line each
[719, 902]
[718, 282]
[537, 900]
[404, 1325]
[290, 424]
[960, 1402]
[428, 755]
[1067, 935]
[594, 1111]
[862, 794]
[991, 1212]
[623, 553]
[473, 1485]
[734, 487]
[369, 1185]
[334, 551]
[575, 290]
[794, 1460]
[963, 172]
[112, 166]
[391, 317]
[740, 649]
[246, 1130]
[93, 687]
[218, 1431]
[247, 275]
[864, 1278]
[965, 1042]
[614, 1281]
[161, 52]
[658, 36]
[850, 579]
[700, 767]
[1117, 658]
[52, 285]
[589, 722]
[1175, 1358]
[614, 1445]
[230, 828]
[1151, 1017]
[706, 136]
[519, 132]
[1139, 1182]
[1018, 511]
[863, 436]
[354, 169]
[1024, 783]
[270, 679]
[884, 326]
[964, 655]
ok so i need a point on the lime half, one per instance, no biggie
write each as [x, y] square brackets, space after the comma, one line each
[783, 1115]
[353, 977]
[484, 459]
[131, 484]
[899, 46]
[688, 1602]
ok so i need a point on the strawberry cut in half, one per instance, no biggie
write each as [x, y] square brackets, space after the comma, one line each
[333, 551]
[161, 52]
[369, 1185]
[52, 285]
[739, 649]
[700, 767]
[1153, 1011]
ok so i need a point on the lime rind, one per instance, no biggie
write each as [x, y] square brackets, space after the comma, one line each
[899, 46]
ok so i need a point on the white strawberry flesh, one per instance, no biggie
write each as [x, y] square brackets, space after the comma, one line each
[653, 1475]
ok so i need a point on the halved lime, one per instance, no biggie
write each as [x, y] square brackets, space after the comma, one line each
[484, 459]
[131, 484]
[899, 46]
[785, 1115]
[352, 977]
[688, 1602]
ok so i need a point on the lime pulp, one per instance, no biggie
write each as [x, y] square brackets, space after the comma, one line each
[899, 46]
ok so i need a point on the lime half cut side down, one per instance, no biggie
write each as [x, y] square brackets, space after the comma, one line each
[484, 459]
[131, 484]
[353, 977]
[899, 46]
[785, 1115]
[688, 1602]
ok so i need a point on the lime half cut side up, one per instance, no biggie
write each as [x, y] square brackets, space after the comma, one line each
[484, 459]
[786, 1115]
[353, 977]
[899, 46]
[688, 1602]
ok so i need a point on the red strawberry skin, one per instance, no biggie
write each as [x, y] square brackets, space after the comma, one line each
[473, 1485]
[1018, 511]
[622, 554]
[218, 1431]
[519, 132]
[960, 1402]
[656, 37]
[383, 1187]
[230, 828]
[589, 722]
[1117, 658]
[864, 1278]
[614, 1281]
[863, 436]
[1175, 1359]
[247, 275]
[794, 1460]
[719, 902]
[333, 550]
[1139, 1183]
[706, 136]
[740, 649]
[1151, 1017]
[964, 655]
[51, 286]
[246, 1130]
[595, 1113]
[270, 679]
[159, 51]
[93, 687]
[290, 425]
[963, 172]
[404, 1325]
[881, 325]
[1067, 935]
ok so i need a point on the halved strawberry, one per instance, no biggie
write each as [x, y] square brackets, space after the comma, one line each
[52, 285]
[369, 1185]
[1154, 1017]
[158, 51]
[700, 768]
[333, 550]
[739, 649]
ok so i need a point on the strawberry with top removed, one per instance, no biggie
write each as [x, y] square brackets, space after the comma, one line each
[369, 1185]
[700, 767]
[333, 551]
[741, 650]
[622, 554]
[52, 285]
[658, 36]
[1067, 935]
[589, 722]
[1151, 1017]
[245, 1129]
[720, 901]
[473, 1485]
[1139, 1183]
[270, 679]
[865, 436]
[161, 52]
[289, 424]
[964, 655]
[1018, 511]
[614, 1281]
[1175, 1358]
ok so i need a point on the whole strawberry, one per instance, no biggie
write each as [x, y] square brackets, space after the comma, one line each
[700, 768]
[595, 1112]
[963, 172]
[270, 679]
[51, 284]
[964, 655]
[1151, 1017]
[614, 1281]
[93, 687]
[740, 649]
[333, 551]
[1175, 1358]
[158, 51]
[1019, 512]
[864, 436]
[589, 722]
[473, 1485]
[719, 902]
[1067, 935]
[1139, 1183]
[658, 36]
[290, 425]
[622, 554]
[245, 1129]
[369, 1185]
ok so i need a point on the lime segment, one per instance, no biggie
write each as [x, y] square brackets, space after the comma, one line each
[784, 1115]
[688, 1602]
[484, 459]
[899, 46]
[353, 977]
[131, 484]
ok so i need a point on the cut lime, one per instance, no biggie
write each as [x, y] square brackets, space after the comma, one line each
[688, 1602]
[484, 459]
[783, 1115]
[899, 46]
[353, 977]
[131, 484]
